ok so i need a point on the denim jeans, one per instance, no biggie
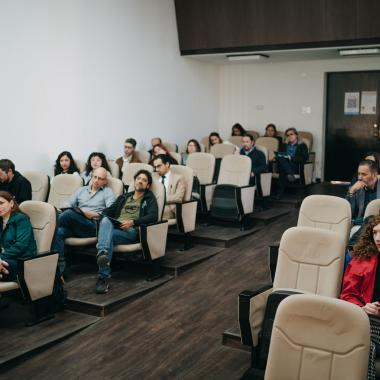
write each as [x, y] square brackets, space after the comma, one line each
[71, 224]
[108, 236]
[286, 167]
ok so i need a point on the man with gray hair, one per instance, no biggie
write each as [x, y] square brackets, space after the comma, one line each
[80, 212]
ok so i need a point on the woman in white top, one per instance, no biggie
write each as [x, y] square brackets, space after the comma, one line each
[65, 164]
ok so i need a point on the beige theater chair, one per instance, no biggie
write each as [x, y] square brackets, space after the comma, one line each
[317, 337]
[186, 212]
[265, 178]
[255, 134]
[235, 140]
[205, 142]
[131, 170]
[203, 165]
[81, 165]
[310, 261]
[372, 209]
[176, 156]
[153, 237]
[116, 185]
[62, 187]
[37, 274]
[231, 198]
[307, 138]
[222, 150]
[142, 156]
[40, 185]
[271, 143]
[114, 167]
[171, 146]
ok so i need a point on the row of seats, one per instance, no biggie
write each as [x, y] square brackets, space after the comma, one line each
[310, 260]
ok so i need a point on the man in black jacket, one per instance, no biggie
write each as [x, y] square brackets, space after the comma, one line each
[13, 182]
[120, 222]
[258, 161]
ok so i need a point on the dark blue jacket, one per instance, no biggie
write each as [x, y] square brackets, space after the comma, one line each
[258, 160]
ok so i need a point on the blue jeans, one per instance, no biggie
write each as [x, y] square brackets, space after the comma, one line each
[71, 224]
[108, 236]
[285, 167]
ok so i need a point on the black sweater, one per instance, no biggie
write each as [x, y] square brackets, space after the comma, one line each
[19, 187]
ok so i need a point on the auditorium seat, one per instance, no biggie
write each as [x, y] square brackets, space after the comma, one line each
[254, 134]
[265, 178]
[176, 156]
[62, 187]
[142, 156]
[132, 169]
[116, 185]
[37, 274]
[235, 140]
[172, 147]
[186, 212]
[311, 261]
[272, 145]
[205, 142]
[114, 167]
[307, 138]
[81, 165]
[372, 209]
[232, 197]
[153, 237]
[222, 150]
[317, 337]
[203, 165]
[40, 185]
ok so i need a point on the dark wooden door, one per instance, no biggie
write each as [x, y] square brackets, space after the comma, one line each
[349, 136]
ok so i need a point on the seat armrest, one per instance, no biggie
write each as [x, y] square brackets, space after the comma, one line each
[153, 238]
[246, 197]
[273, 257]
[207, 193]
[186, 214]
[251, 308]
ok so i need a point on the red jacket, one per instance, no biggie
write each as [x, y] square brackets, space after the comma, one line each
[359, 280]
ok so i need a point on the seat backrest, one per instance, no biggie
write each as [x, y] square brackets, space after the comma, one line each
[188, 174]
[206, 144]
[263, 149]
[222, 150]
[142, 156]
[132, 169]
[307, 138]
[177, 157]
[116, 185]
[40, 185]
[43, 218]
[158, 189]
[236, 140]
[270, 143]
[235, 170]
[373, 208]
[172, 147]
[326, 212]
[81, 165]
[318, 337]
[62, 187]
[203, 165]
[310, 260]
[254, 134]
[114, 167]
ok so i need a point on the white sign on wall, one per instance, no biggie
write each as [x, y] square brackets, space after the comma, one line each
[369, 99]
[351, 103]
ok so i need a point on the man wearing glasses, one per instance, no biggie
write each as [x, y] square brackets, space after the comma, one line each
[80, 212]
[294, 153]
[129, 155]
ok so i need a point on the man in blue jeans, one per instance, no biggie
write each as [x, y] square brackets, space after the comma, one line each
[82, 210]
[120, 224]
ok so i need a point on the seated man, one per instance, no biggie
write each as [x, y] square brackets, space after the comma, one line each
[154, 141]
[13, 182]
[120, 222]
[364, 190]
[257, 157]
[129, 155]
[174, 185]
[83, 208]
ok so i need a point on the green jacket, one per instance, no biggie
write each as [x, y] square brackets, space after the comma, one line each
[17, 239]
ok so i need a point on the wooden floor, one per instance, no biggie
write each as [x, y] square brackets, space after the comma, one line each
[174, 332]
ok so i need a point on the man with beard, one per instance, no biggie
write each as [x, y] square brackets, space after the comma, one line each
[120, 224]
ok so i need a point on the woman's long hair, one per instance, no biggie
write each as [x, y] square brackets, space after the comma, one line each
[196, 143]
[9, 197]
[366, 247]
[72, 168]
[103, 165]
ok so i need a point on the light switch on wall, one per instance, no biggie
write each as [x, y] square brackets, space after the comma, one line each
[306, 110]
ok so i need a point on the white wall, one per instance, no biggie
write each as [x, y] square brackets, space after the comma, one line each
[83, 75]
[257, 94]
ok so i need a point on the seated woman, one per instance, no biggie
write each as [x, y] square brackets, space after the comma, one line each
[94, 161]
[193, 146]
[16, 236]
[238, 130]
[65, 164]
[271, 131]
[361, 283]
[292, 154]
[162, 149]
[214, 138]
